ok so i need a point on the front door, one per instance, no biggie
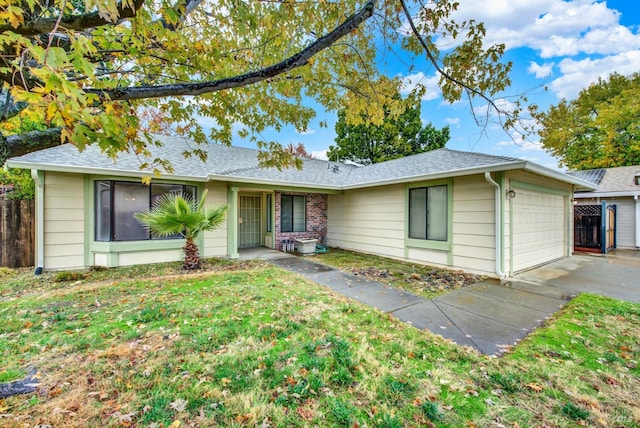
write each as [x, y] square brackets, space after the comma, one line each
[249, 231]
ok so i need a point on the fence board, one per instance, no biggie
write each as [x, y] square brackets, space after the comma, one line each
[17, 233]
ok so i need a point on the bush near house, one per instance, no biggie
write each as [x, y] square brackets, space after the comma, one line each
[16, 184]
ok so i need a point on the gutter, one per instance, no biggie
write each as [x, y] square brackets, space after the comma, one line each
[102, 171]
[39, 180]
[498, 212]
[604, 195]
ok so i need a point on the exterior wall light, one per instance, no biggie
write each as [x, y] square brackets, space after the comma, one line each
[510, 193]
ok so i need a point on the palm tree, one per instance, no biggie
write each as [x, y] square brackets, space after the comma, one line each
[174, 214]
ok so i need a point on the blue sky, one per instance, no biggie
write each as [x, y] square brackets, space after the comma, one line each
[563, 45]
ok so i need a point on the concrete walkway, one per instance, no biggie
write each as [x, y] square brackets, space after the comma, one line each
[486, 316]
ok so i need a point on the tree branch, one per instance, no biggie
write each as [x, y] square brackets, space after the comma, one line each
[437, 66]
[74, 22]
[184, 10]
[298, 60]
[27, 142]
[23, 386]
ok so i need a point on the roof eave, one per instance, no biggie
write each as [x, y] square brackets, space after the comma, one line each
[275, 183]
[99, 171]
[552, 173]
[604, 194]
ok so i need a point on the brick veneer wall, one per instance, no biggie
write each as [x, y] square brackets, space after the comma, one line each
[316, 218]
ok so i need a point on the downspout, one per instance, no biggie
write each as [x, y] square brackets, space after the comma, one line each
[39, 181]
[637, 212]
[498, 213]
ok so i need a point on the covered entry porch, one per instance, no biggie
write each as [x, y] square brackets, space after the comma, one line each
[271, 217]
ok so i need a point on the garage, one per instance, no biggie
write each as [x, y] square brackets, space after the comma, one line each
[539, 228]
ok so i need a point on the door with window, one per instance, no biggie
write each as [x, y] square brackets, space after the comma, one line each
[249, 222]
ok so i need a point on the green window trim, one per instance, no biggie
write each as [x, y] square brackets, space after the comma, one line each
[116, 201]
[436, 245]
[269, 212]
[113, 248]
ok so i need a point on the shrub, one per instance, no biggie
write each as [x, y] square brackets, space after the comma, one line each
[66, 276]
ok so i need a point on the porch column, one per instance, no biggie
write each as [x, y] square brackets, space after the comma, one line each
[38, 177]
[232, 223]
[636, 199]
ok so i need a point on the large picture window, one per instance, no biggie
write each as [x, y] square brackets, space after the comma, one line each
[428, 217]
[293, 216]
[117, 201]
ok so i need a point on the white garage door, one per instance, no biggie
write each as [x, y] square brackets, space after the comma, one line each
[539, 228]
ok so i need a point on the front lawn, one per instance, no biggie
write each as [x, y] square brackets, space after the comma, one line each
[253, 345]
[424, 280]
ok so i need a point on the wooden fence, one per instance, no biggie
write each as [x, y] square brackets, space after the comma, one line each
[17, 233]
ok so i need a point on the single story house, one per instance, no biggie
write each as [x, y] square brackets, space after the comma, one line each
[615, 187]
[480, 213]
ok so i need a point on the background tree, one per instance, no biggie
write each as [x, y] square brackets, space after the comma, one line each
[88, 68]
[174, 214]
[298, 150]
[598, 129]
[398, 135]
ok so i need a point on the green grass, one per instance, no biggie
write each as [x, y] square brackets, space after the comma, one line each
[251, 344]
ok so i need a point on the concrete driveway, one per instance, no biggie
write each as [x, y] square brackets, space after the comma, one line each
[615, 275]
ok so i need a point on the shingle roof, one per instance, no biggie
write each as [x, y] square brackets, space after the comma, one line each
[620, 179]
[242, 165]
[441, 161]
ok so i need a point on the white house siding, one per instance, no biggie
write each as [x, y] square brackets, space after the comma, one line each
[373, 221]
[63, 221]
[369, 220]
[425, 256]
[625, 222]
[215, 242]
[146, 257]
[474, 224]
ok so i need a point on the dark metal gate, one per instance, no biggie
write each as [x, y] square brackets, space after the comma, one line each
[587, 228]
[593, 231]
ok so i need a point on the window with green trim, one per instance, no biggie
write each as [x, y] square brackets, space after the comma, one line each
[428, 216]
[117, 201]
[293, 216]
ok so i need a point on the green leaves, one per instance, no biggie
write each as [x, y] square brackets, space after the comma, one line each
[92, 66]
[599, 129]
[173, 214]
[400, 134]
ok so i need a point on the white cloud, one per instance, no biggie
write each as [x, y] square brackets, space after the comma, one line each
[519, 144]
[411, 81]
[579, 74]
[307, 132]
[490, 113]
[540, 71]
[320, 154]
[452, 120]
[551, 27]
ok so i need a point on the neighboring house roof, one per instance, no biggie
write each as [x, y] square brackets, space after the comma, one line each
[237, 164]
[591, 175]
[620, 181]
